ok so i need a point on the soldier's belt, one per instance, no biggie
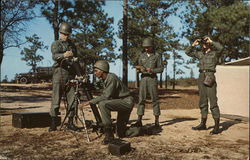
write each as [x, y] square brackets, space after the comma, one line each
[148, 75]
[206, 70]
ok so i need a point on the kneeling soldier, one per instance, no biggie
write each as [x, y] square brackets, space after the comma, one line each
[115, 97]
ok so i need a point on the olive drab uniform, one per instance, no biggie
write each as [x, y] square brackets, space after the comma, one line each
[148, 83]
[115, 97]
[207, 65]
[63, 71]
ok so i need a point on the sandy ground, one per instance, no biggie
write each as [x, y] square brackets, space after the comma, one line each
[176, 141]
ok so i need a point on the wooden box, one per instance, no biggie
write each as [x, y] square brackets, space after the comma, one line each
[119, 147]
[32, 120]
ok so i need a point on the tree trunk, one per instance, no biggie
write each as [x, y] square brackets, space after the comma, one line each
[174, 69]
[124, 48]
[166, 77]
[1, 50]
[161, 80]
[55, 20]
[137, 79]
[94, 77]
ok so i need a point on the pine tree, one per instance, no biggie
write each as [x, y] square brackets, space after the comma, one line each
[148, 19]
[30, 55]
[92, 30]
[178, 61]
[225, 21]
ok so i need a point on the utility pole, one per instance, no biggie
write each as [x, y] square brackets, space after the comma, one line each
[124, 44]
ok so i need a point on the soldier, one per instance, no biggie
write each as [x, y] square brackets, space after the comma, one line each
[66, 67]
[149, 64]
[208, 58]
[115, 97]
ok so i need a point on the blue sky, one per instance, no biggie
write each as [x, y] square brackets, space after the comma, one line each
[13, 64]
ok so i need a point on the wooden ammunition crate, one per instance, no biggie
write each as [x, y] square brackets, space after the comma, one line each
[119, 147]
[32, 120]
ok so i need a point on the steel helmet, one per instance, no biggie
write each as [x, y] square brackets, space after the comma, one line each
[147, 42]
[102, 65]
[65, 28]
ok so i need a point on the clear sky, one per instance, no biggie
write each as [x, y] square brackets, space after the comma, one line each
[13, 64]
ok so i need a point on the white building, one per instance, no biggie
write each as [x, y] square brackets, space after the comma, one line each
[233, 87]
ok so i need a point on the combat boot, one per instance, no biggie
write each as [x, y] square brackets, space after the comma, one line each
[109, 136]
[52, 124]
[138, 123]
[216, 126]
[157, 124]
[71, 125]
[202, 125]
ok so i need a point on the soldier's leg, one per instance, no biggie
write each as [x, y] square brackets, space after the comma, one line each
[142, 96]
[56, 99]
[142, 99]
[153, 91]
[72, 104]
[212, 94]
[203, 104]
[121, 123]
[55, 104]
[105, 108]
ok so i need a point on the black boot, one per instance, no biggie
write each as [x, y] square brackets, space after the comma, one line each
[202, 125]
[157, 124]
[216, 126]
[52, 124]
[138, 123]
[71, 124]
[109, 136]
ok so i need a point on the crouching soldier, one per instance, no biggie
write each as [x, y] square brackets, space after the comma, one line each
[115, 97]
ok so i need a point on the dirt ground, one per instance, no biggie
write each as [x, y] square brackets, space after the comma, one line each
[176, 141]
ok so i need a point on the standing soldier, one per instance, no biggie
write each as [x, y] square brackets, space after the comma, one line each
[208, 59]
[65, 68]
[115, 97]
[149, 64]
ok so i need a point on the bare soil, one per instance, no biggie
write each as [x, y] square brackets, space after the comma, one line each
[176, 141]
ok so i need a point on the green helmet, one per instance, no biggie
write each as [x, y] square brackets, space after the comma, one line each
[147, 42]
[102, 65]
[65, 28]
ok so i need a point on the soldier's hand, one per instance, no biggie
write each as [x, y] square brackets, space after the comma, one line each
[68, 54]
[82, 105]
[140, 68]
[149, 70]
[208, 40]
[196, 42]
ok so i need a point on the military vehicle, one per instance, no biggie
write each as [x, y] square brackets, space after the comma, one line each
[41, 74]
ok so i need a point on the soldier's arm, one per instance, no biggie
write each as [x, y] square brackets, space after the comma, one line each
[74, 50]
[192, 52]
[159, 66]
[217, 47]
[57, 55]
[139, 66]
[107, 91]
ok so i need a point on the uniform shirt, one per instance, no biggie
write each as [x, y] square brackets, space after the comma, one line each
[113, 89]
[206, 60]
[154, 61]
[59, 47]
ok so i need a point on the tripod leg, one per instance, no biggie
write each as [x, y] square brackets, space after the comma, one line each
[67, 114]
[84, 125]
[94, 108]
[68, 108]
